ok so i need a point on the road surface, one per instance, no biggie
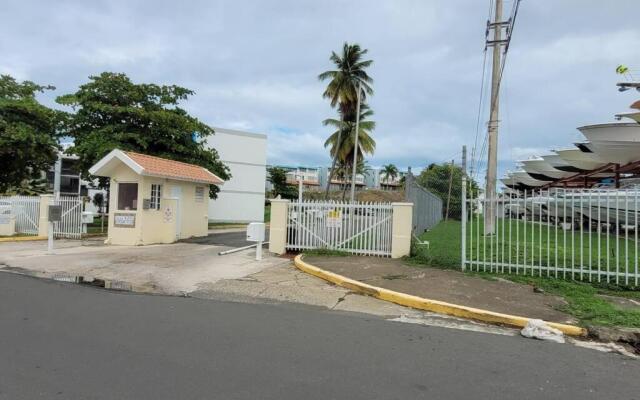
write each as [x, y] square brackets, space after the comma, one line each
[65, 341]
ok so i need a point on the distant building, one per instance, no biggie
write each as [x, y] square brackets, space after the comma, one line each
[241, 199]
[315, 178]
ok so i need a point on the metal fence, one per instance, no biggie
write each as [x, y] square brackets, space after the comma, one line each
[427, 207]
[70, 226]
[359, 228]
[582, 234]
[26, 210]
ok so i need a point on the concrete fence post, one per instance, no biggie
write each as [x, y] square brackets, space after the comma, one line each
[278, 226]
[401, 229]
[43, 220]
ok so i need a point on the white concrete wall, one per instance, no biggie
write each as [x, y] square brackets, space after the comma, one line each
[241, 199]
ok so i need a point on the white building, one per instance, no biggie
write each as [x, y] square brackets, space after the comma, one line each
[241, 199]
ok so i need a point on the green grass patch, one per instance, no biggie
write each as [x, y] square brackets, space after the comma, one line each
[444, 246]
[582, 299]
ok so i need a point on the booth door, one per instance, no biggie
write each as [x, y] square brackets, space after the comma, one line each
[176, 193]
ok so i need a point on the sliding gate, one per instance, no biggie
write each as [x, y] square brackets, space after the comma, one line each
[359, 228]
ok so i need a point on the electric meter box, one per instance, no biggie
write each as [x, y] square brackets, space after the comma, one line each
[255, 232]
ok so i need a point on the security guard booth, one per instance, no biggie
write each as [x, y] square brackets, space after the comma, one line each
[153, 199]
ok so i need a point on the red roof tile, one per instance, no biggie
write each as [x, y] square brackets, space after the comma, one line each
[163, 167]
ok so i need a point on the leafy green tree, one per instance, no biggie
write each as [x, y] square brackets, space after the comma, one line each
[389, 172]
[28, 136]
[278, 178]
[110, 111]
[435, 178]
[342, 91]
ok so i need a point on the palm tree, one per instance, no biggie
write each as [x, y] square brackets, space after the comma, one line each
[341, 142]
[389, 171]
[342, 89]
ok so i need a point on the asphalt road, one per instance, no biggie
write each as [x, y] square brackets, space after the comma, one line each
[63, 341]
[228, 239]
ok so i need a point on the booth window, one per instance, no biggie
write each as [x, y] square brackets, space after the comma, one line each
[199, 194]
[127, 196]
[156, 193]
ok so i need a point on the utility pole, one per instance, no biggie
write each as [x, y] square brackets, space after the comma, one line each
[496, 68]
[355, 146]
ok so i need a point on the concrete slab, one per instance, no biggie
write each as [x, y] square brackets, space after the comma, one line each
[173, 269]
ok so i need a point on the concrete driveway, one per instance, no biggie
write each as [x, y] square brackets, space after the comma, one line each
[172, 269]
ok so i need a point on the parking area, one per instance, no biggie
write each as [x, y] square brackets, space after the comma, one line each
[177, 268]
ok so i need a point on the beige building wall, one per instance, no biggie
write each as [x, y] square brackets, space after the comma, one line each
[158, 226]
[124, 235]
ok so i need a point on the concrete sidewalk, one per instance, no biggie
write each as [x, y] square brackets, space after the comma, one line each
[447, 285]
[177, 268]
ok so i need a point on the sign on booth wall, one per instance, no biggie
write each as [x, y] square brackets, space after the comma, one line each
[124, 220]
[334, 219]
[5, 219]
[168, 214]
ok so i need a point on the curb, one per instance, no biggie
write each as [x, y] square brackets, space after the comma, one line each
[22, 238]
[436, 306]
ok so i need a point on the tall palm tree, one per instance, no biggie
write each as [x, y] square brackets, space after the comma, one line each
[342, 89]
[389, 171]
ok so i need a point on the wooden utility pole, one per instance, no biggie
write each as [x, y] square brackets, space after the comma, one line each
[492, 164]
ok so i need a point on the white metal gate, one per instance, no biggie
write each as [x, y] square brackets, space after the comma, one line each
[26, 210]
[70, 226]
[359, 228]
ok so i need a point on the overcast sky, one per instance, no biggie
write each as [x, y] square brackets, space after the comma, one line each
[254, 65]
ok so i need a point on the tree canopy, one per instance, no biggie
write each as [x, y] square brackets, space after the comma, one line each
[110, 111]
[436, 177]
[278, 178]
[28, 136]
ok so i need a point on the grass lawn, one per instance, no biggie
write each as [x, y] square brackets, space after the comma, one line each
[563, 253]
[582, 298]
[267, 219]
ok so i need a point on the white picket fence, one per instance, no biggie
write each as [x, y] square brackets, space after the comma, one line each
[360, 228]
[70, 227]
[26, 210]
[582, 234]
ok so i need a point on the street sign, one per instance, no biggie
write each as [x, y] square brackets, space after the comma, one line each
[55, 213]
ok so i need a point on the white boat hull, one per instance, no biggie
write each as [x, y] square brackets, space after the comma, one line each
[622, 131]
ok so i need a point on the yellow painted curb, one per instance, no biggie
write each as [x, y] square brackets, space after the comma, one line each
[427, 304]
[22, 238]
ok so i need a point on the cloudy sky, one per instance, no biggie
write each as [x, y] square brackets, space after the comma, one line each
[253, 65]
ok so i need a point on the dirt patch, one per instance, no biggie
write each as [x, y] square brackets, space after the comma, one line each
[448, 285]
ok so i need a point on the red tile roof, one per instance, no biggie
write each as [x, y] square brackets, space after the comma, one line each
[165, 168]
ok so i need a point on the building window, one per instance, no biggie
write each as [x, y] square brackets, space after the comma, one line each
[156, 193]
[127, 196]
[199, 194]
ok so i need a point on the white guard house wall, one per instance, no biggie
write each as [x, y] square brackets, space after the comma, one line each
[242, 198]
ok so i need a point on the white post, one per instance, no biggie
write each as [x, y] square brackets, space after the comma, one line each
[299, 186]
[355, 146]
[50, 239]
[259, 251]
[463, 217]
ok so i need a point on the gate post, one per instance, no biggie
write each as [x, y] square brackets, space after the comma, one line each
[401, 229]
[278, 226]
[43, 219]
